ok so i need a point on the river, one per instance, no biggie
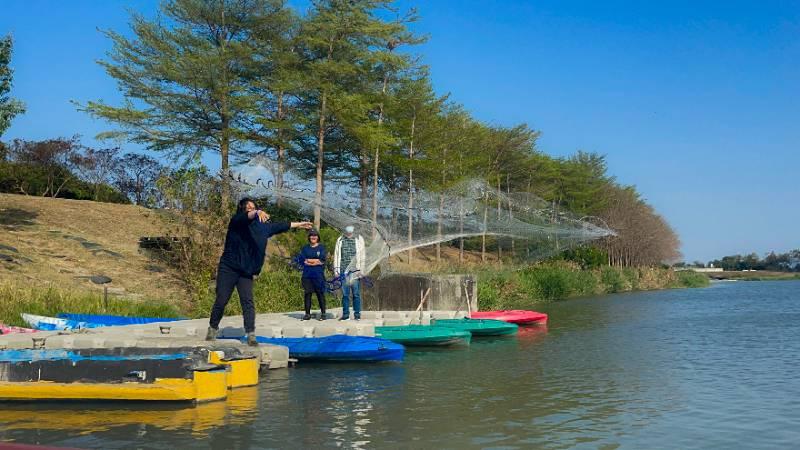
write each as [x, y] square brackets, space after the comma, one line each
[692, 368]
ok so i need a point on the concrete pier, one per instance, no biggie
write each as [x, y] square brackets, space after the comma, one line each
[191, 333]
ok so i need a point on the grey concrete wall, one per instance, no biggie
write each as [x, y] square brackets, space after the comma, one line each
[401, 292]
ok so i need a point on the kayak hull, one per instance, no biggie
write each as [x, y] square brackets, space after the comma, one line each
[520, 317]
[423, 335]
[110, 320]
[45, 323]
[339, 348]
[479, 327]
[8, 329]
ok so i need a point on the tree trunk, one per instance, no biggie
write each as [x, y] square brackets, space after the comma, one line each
[281, 152]
[376, 161]
[510, 213]
[485, 220]
[411, 191]
[320, 162]
[441, 209]
[499, 206]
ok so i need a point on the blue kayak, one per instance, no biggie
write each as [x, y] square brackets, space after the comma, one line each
[339, 347]
[45, 323]
[110, 320]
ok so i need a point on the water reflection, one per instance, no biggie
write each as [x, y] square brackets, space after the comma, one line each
[336, 404]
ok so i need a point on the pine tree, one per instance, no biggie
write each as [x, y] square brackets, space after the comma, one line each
[9, 107]
[185, 79]
[340, 40]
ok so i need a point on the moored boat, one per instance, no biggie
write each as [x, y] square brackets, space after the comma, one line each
[110, 374]
[423, 335]
[339, 348]
[45, 323]
[110, 320]
[10, 329]
[518, 316]
[478, 327]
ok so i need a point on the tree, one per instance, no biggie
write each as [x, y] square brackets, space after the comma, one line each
[136, 175]
[186, 79]
[9, 107]
[96, 167]
[414, 108]
[276, 81]
[54, 159]
[340, 40]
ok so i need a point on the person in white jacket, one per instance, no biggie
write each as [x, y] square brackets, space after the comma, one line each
[349, 258]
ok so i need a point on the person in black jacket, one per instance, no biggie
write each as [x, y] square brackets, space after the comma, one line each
[242, 259]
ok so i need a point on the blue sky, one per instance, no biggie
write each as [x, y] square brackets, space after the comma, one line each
[696, 103]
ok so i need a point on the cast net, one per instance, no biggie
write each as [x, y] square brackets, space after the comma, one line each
[470, 215]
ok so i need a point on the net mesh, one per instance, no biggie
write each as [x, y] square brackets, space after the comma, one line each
[529, 227]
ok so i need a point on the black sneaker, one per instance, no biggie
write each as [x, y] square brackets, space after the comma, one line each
[321, 317]
[306, 317]
[358, 317]
[211, 334]
[344, 318]
[251, 340]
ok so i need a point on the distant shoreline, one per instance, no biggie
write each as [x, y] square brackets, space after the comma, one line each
[756, 275]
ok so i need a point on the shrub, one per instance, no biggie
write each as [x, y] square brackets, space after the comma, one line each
[612, 279]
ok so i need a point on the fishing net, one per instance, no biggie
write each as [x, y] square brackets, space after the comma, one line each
[479, 217]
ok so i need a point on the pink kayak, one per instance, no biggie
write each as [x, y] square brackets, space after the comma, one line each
[512, 316]
[8, 329]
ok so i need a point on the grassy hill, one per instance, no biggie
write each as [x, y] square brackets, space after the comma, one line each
[47, 242]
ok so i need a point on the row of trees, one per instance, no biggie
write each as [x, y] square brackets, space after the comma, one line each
[66, 168]
[337, 92]
[779, 262]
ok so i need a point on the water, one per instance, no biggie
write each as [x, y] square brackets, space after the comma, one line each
[709, 368]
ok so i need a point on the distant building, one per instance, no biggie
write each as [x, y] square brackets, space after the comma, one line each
[702, 269]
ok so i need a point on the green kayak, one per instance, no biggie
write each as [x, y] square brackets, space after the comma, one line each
[478, 327]
[423, 335]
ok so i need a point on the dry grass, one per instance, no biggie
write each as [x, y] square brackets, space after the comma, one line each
[61, 242]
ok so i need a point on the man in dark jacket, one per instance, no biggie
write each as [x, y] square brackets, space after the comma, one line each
[242, 259]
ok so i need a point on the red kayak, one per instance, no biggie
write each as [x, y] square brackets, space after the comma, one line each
[8, 329]
[517, 316]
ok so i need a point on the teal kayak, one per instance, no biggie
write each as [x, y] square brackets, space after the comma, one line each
[423, 335]
[478, 327]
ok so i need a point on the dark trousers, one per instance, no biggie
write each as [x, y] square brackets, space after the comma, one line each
[314, 286]
[227, 279]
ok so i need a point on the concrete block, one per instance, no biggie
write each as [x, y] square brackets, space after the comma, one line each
[277, 356]
[121, 343]
[395, 322]
[89, 341]
[394, 315]
[58, 342]
[328, 330]
[293, 331]
[357, 329]
[18, 344]
[371, 315]
[231, 332]
[442, 314]
[269, 331]
[402, 292]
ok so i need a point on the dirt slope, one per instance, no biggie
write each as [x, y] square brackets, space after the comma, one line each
[63, 242]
